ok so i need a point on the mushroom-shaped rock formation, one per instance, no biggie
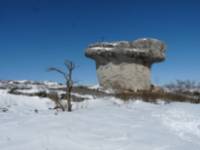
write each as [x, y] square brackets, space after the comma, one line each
[124, 65]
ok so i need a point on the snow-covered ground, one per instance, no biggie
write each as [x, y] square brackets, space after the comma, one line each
[97, 124]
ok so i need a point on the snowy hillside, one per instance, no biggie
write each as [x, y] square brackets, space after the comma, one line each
[35, 86]
[27, 123]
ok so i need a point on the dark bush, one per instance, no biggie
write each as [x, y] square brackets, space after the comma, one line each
[4, 109]
[12, 90]
[41, 94]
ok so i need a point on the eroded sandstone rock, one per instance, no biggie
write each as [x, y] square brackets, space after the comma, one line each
[126, 65]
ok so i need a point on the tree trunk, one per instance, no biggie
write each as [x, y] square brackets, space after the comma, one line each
[69, 105]
[69, 89]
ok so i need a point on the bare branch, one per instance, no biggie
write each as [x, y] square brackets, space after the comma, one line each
[57, 70]
[69, 64]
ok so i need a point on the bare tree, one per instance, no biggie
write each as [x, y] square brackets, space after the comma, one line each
[70, 66]
[182, 86]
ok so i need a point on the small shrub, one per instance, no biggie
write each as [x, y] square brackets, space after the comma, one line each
[12, 90]
[41, 94]
[57, 100]
[36, 111]
[4, 109]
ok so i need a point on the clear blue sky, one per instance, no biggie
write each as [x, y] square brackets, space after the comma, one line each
[36, 34]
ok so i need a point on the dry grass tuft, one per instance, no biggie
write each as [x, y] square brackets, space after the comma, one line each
[154, 97]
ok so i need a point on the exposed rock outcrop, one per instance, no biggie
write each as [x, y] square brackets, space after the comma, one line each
[126, 65]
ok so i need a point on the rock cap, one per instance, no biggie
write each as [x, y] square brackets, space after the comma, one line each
[148, 49]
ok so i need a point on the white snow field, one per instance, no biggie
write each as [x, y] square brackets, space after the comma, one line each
[97, 124]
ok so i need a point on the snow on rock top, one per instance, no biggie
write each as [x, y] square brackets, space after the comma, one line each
[147, 48]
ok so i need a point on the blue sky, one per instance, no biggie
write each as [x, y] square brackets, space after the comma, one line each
[37, 34]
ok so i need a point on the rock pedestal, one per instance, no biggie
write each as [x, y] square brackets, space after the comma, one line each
[123, 65]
